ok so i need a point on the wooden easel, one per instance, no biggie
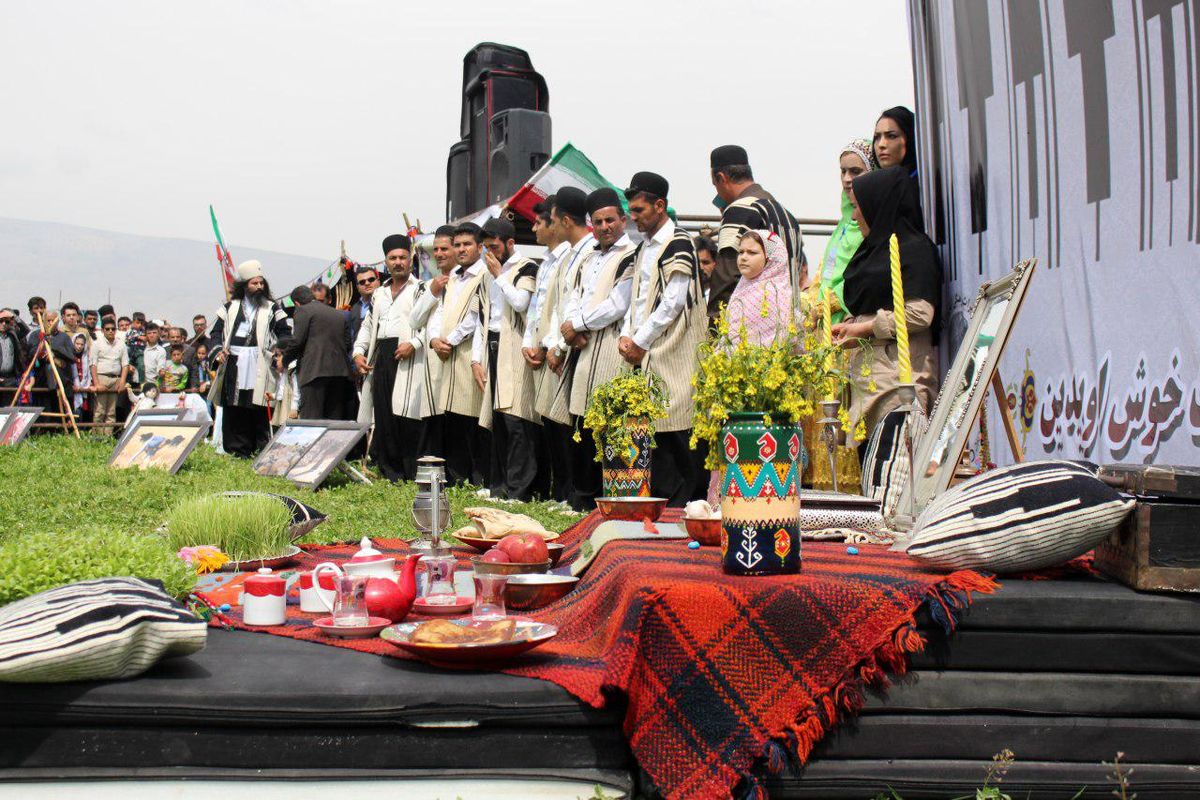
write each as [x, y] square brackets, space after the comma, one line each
[965, 470]
[65, 413]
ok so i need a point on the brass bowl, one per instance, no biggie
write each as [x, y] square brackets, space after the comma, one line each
[527, 592]
[556, 551]
[508, 567]
[633, 509]
[705, 531]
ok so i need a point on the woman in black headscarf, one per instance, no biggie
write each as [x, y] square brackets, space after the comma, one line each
[895, 139]
[885, 203]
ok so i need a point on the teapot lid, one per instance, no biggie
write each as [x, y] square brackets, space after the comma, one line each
[367, 553]
[265, 577]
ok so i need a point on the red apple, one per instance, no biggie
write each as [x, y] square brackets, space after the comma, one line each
[524, 548]
[495, 556]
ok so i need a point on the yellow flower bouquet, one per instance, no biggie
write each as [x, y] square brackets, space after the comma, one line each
[784, 380]
[616, 405]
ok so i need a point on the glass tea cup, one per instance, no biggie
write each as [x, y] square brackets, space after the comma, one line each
[439, 572]
[350, 602]
[489, 597]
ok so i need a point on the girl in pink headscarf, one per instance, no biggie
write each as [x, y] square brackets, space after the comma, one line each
[762, 299]
[760, 309]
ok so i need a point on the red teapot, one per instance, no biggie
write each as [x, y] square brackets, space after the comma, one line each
[392, 598]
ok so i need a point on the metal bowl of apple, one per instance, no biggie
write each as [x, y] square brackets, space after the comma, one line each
[483, 567]
[527, 592]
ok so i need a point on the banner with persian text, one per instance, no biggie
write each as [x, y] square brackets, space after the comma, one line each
[1066, 130]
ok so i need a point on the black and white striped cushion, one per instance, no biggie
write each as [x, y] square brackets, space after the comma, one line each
[1018, 518]
[101, 629]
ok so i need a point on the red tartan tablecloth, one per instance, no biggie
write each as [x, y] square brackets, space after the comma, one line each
[722, 674]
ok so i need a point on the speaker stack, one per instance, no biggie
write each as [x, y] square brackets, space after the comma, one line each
[504, 129]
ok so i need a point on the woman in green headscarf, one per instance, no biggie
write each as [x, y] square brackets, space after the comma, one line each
[854, 160]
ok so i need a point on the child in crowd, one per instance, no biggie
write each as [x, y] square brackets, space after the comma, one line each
[284, 396]
[154, 357]
[148, 398]
[200, 378]
[81, 373]
[175, 373]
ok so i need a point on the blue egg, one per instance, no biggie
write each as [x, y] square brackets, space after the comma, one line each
[224, 607]
[852, 551]
[693, 545]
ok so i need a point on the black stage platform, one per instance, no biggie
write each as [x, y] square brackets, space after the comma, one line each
[1065, 673]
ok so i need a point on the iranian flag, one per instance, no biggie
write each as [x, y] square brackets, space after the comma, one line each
[224, 260]
[569, 167]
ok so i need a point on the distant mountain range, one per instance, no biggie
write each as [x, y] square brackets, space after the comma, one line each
[172, 279]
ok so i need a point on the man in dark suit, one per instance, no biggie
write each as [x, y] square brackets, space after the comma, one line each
[321, 343]
[368, 280]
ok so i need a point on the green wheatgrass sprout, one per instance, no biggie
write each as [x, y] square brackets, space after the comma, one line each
[39, 561]
[245, 527]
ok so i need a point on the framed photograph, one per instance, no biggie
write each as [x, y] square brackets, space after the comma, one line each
[147, 415]
[287, 445]
[320, 457]
[161, 444]
[16, 422]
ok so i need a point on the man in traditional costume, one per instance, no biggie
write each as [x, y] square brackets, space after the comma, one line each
[665, 324]
[554, 476]
[496, 358]
[390, 355]
[747, 207]
[433, 416]
[595, 313]
[246, 328]
[569, 217]
[452, 326]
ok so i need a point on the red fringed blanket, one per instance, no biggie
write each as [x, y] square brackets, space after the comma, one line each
[720, 673]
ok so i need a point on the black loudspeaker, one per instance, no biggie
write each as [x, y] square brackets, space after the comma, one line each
[496, 78]
[520, 145]
[458, 189]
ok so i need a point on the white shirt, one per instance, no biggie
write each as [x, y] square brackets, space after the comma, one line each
[609, 310]
[153, 360]
[501, 294]
[546, 272]
[470, 321]
[647, 327]
[389, 317]
[578, 251]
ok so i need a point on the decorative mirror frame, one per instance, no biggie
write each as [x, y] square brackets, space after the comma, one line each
[1011, 288]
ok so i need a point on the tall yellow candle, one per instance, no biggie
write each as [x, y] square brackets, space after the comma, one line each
[827, 328]
[904, 371]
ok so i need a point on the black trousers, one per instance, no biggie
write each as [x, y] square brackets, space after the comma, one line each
[585, 472]
[325, 398]
[244, 430]
[558, 442]
[468, 450]
[521, 478]
[675, 469]
[432, 442]
[498, 449]
[395, 440]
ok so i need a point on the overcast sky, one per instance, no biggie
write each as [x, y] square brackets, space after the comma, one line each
[309, 122]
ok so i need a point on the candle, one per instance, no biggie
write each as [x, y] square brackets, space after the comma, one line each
[827, 338]
[904, 371]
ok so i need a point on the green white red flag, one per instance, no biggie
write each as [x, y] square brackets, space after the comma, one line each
[224, 260]
[568, 167]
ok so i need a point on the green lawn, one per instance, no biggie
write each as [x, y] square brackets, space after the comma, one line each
[58, 483]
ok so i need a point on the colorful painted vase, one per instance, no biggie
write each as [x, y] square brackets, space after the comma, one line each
[760, 496]
[627, 474]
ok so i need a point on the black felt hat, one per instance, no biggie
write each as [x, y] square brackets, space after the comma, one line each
[648, 182]
[728, 155]
[397, 241]
[572, 201]
[604, 197]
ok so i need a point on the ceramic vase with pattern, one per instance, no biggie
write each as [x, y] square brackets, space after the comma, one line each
[627, 474]
[760, 496]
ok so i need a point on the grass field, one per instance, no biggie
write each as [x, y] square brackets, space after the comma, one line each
[58, 483]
